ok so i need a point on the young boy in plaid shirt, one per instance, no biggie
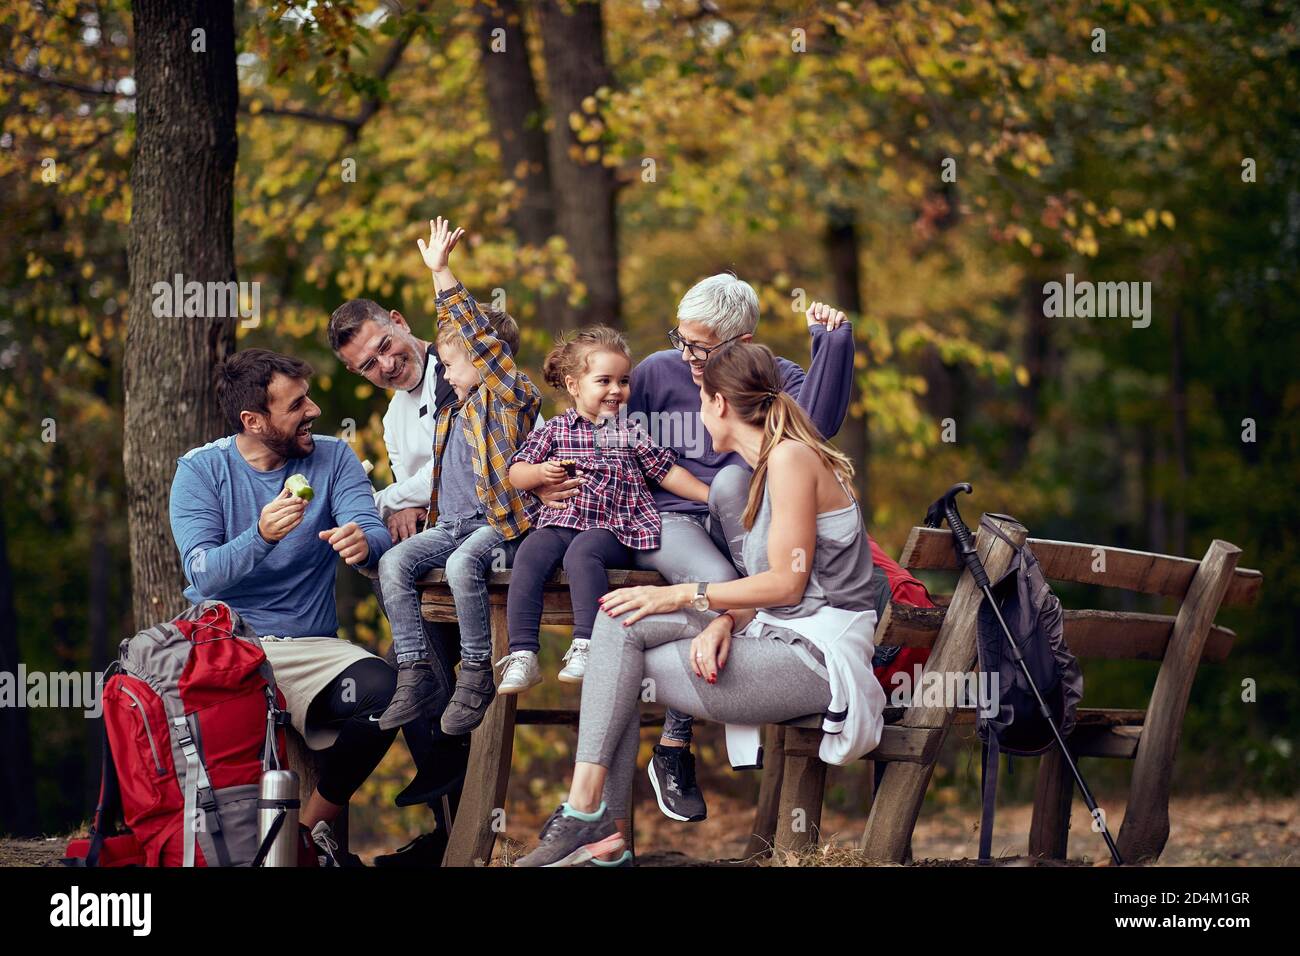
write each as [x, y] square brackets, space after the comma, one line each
[476, 518]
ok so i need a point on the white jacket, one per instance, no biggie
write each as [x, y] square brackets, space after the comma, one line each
[855, 719]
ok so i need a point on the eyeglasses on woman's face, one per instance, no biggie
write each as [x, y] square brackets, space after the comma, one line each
[699, 353]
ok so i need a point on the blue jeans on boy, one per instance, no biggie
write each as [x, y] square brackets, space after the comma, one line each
[467, 548]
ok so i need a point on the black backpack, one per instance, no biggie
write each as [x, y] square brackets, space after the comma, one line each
[1034, 615]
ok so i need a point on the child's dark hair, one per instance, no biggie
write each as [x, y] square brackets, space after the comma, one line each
[569, 357]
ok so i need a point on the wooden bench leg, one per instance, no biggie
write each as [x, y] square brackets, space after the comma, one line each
[1049, 832]
[482, 804]
[898, 799]
[763, 835]
[803, 785]
[1146, 820]
[894, 809]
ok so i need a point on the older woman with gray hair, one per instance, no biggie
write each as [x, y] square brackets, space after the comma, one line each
[666, 398]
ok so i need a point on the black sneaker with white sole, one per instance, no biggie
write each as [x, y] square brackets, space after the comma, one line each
[672, 775]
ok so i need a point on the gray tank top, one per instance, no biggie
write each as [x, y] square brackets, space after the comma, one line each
[841, 563]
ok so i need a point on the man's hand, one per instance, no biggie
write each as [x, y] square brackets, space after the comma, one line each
[404, 522]
[819, 313]
[556, 494]
[281, 515]
[349, 541]
[442, 239]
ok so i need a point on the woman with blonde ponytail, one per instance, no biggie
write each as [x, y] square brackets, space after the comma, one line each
[792, 637]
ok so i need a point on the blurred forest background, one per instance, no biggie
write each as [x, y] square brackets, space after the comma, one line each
[604, 157]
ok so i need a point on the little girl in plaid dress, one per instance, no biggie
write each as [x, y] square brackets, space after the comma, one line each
[613, 512]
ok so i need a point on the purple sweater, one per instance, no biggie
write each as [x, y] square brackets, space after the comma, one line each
[664, 393]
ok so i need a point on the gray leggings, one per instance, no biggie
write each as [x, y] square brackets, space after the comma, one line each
[694, 547]
[765, 679]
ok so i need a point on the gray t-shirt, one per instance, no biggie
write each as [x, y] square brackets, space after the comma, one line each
[457, 485]
[841, 567]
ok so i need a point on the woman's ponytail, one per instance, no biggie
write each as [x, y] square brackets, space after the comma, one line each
[746, 375]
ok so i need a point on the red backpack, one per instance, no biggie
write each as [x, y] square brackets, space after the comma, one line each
[192, 717]
[902, 588]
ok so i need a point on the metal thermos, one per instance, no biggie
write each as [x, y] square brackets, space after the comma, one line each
[279, 792]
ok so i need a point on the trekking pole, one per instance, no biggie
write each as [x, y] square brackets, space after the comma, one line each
[945, 508]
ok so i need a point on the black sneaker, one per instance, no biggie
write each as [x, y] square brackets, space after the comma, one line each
[418, 692]
[672, 775]
[424, 851]
[327, 849]
[469, 701]
[440, 769]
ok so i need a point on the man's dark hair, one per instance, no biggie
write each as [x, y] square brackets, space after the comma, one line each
[350, 316]
[242, 381]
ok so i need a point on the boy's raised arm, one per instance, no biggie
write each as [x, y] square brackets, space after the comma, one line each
[455, 304]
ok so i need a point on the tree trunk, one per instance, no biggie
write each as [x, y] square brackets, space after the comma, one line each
[182, 221]
[573, 40]
[517, 120]
[17, 774]
[1178, 402]
[97, 614]
[843, 250]
[1039, 363]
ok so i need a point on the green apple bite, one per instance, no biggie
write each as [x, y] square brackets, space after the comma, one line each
[297, 485]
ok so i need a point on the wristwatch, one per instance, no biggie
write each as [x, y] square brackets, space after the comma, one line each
[700, 602]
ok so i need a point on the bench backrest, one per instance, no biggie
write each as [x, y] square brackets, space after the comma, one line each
[1090, 633]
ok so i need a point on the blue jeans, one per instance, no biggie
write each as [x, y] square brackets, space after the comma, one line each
[467, 548]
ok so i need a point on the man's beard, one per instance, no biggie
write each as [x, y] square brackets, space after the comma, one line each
[289, 445]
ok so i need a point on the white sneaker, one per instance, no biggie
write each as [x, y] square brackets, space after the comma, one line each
[575, 660]
[520, 672]
[323, 836]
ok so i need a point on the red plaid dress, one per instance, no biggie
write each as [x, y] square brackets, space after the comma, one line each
[616, 457]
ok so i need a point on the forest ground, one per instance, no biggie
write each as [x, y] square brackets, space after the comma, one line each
[1205, 830]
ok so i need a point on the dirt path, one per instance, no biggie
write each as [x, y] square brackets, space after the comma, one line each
[1212, 830]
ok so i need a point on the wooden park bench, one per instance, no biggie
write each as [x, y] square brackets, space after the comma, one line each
[790, 799]
[794, 778]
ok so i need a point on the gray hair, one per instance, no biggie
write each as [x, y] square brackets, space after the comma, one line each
[723, 303]
[350, 316]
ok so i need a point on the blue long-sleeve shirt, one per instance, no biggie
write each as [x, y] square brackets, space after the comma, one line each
[667, 402]
[285, 588]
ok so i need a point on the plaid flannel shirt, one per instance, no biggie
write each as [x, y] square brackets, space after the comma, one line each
[495, 417]
[615, 457]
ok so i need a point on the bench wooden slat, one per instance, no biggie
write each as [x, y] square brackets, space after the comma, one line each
[930, 549]
[1112, 635]
[1107, 635]
[898, 744]
[559, 581]
[1098, 732]
[568, 717]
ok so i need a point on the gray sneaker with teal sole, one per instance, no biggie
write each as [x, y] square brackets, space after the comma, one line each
[567, 840]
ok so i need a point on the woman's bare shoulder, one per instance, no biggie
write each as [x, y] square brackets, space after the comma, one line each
[792, 463]
[791, 454]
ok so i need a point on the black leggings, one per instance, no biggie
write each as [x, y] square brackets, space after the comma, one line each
[586, 555]
[361, 691]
